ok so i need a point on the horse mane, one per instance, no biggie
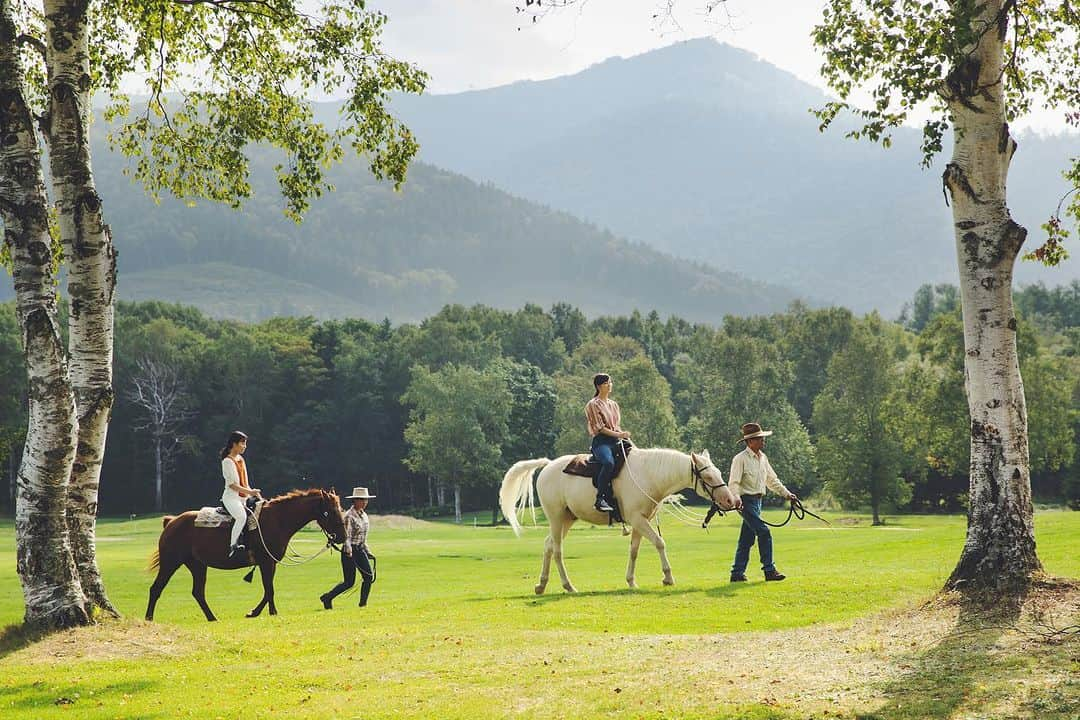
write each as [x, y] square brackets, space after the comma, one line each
[295, 494]
[666, 459]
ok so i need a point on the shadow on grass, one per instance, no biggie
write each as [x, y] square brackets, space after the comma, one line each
[967, 672]
[16, 637]
[40, 695]
[558, 595]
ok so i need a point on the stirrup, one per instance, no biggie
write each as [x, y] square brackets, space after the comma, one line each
[603, 505]
[237, 549]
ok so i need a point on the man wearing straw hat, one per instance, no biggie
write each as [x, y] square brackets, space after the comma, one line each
[749, 476]
[354, 552]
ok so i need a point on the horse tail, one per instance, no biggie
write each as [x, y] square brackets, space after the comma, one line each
[155, 558]
[516, 489]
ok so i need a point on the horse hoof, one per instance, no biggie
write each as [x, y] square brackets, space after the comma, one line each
[669, 581]
[569, 588]
[252, 614]
[631, 584]
[539, 589]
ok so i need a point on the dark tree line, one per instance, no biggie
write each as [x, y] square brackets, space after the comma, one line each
[870, 412]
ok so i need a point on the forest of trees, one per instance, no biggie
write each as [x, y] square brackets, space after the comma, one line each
[867, 412]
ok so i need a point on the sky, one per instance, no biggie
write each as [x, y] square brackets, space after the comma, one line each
[475, 44]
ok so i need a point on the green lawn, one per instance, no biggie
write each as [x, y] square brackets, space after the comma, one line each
[454, 630]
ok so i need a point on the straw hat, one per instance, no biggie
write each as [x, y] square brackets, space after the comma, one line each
[359, 493]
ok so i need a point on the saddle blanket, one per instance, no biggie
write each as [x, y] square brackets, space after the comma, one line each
[218, 516]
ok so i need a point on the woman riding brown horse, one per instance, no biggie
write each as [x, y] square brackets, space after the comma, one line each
[181, 543]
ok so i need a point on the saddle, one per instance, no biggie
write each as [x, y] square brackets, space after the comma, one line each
[212, 517]
[585, 465]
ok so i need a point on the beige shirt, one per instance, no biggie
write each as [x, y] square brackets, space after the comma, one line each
[601, 414]
[750, 473]
[356, 528]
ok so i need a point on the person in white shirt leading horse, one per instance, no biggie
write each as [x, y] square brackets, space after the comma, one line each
[237, 486]
[750, 474]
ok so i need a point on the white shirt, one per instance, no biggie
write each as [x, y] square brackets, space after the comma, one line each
[750, 473]
[232, 477]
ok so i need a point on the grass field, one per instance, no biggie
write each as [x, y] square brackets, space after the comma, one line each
[453, 630]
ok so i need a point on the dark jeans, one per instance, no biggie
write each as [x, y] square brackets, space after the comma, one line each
[361, 560]
[604, 448]
[753, 527]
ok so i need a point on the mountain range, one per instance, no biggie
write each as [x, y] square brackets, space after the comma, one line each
[588, 189]
[704, 151]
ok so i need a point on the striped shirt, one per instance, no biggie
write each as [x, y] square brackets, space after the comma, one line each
[602, 413]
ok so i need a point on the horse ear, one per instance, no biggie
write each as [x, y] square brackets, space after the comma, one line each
[705, 454]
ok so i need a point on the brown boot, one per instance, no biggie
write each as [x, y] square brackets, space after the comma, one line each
[774, 576]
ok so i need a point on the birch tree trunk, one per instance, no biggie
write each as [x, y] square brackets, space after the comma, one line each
[51, 587]
[91, 276]
[999, 553]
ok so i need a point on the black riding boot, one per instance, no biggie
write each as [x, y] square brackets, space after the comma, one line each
[365, 589]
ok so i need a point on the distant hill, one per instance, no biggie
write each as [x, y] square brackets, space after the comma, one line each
[704, 151]
[367, 251]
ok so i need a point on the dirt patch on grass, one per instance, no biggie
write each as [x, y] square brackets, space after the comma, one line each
[108, 640]
[397, 522]
[937, 660]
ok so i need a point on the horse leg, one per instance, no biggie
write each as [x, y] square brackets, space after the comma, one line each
[558, 534]
[165, 573]
[545, 565]
[635, 543]
[198, 587]
[266, 571]
[640, 523]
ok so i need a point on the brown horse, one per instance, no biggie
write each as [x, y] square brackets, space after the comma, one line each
[181, 543]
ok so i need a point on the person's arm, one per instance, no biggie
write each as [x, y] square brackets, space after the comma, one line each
[774, 484]
[735, 475]
[232, 479]
[350, 521]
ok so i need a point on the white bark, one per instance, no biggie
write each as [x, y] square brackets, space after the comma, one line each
[91, 263]
[1000, 548]
[51, 588]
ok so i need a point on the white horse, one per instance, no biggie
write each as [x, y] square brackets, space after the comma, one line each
[648, 476]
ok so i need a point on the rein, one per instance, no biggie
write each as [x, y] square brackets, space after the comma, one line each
[292, 559]
[795, 509]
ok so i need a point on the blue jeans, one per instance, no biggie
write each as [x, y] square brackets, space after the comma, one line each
[603, 449]
[753, 527]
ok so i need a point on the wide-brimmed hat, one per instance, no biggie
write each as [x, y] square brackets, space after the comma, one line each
[359, 493]
[753, 430]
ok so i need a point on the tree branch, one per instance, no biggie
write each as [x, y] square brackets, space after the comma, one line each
[36, 43]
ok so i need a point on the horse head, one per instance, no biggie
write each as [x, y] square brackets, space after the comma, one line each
[708, 482]
[329, 516]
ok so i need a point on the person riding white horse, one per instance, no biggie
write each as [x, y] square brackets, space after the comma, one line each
[648, 476]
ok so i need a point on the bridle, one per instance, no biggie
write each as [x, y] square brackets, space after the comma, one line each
[698, 475]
